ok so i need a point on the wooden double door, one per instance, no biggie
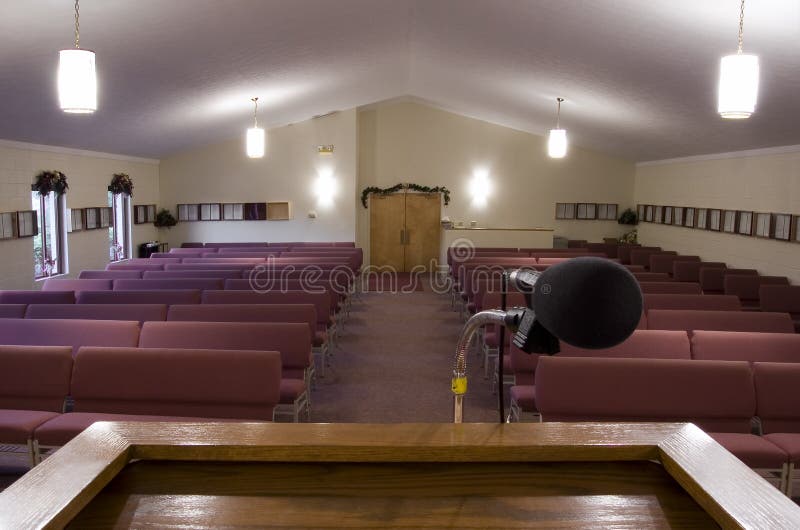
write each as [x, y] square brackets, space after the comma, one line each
[405, 230]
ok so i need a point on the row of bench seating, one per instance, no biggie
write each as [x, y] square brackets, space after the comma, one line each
[258, 244]
[750, 409]
[128, 384]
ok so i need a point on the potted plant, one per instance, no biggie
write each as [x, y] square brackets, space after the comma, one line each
[630, 238]
[52, 180]
[628, 217]
[165, 219]
[121, 183]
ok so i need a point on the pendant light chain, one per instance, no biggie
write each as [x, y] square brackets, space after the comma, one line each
[255, 112]
[77, 25]
[741, 27]
[558, 113]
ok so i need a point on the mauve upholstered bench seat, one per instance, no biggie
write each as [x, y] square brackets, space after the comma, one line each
[746, 287]
[58, 284]
[234, 245]
[665, 262]
[652, 276]
[778, 396]
[110, 275]
[64, 427]
[702, 302]
[689, 271]
[167, 385]
[123, 266]
[755, 451]
[712, 279]
[224, 275]
[168, 283]
[323, 302]
[641, 256]
[12, 310]
[643, 343]
[670, 288]
[259, 255]
[746, 346]
[524, 396]
[37, 297]
[137, 312]
[211, 266]
[34, 382]
[159, 296]
[65, 332]
[292, 340]
[689, 320]
[294, 313]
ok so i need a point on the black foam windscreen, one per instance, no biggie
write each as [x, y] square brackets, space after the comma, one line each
[588, 302]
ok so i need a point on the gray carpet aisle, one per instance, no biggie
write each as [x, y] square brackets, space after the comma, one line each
[394, 364]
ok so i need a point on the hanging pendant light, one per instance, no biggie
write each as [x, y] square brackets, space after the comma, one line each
[557, 143]
[738, 81]
[77, 79]
[255, 135]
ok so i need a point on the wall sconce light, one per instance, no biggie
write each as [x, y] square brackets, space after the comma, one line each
[325, 187]
[480, 187]
[325, 149]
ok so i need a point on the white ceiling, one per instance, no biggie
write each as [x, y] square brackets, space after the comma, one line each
[639, 76]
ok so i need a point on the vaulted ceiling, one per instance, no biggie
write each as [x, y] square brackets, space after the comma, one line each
[639, 76]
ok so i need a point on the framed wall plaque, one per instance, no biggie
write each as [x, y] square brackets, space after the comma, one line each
[781, 226]
[649, 213]
[233, 212]
[587, 210]
[729, 221]
[677, 215]
[27, 223]
[76, 221]
[105, 217]
[210, 212]
[565, 210]
[607, 212]
[8, 225]
[763, 226]
[188, 212]
[714, 220]
[255, 211]
[668, 215]
[744, 226]
[688, 217]
[91, 218]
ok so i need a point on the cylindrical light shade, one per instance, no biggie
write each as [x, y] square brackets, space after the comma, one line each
[557, 144]
[255, 142]
[738, 86]
[77, 81]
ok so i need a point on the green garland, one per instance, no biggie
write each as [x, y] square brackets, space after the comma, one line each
[365, 193]
[52, 180]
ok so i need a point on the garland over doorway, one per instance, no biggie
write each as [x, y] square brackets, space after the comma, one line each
[365, 193]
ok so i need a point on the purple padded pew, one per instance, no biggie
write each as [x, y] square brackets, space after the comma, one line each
[58, 284]
[122, 266]
[746, 287]
[669, 288]
[745, 346]
[13, 310]
[777, 394]
[110, 275]
[689, 320]
[665, 262]
[703, 302]
[689, 271]
[65, 332]
[712, 279]
[168, 283]
[161, 296]
[37, 297]
[169, 385]
[220, 274]
[35, 383]
[782, 298]
[138, 312]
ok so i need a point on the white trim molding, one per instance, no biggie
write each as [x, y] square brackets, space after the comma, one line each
[77, 152]
[766, 151]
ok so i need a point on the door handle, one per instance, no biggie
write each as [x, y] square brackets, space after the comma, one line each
[402, 237]
[408, 236]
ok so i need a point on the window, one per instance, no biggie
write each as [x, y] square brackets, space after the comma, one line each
[119, 227]
[48, 251]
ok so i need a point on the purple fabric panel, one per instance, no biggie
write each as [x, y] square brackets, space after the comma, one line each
[669, 288]
[746, 346]
[689, 320]
[689, 271]
[161, 296]
[234, 245]
[139, 312]
[223, 275]
[643, 343]
[651, 276]
[34, 377]
[66, 332]
[12, 310]
[292, 340]
[780, 298]
[712, 279]
[646, 389]
[704, 302]
[110, 275]
[57, 284]
[168, 283]
[746, 286]
[178, 382]
[778, 395]
[37, 297]
[122, 266]
[321, 301]
[664, 262]
[296, 313]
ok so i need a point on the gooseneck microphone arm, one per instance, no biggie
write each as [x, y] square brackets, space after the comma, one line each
[459, 381]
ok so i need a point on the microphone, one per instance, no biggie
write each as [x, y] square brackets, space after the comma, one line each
[586, 302]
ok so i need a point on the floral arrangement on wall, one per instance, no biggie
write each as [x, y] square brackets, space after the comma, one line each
[121, 183]
[50, 180]
[365, 193]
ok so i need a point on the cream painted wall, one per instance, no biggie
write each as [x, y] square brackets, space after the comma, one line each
[89, 175]
[750, 181]
[412, 142]
[289, 171]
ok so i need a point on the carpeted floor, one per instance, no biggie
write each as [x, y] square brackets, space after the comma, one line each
[394, 364]
[396, 282]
